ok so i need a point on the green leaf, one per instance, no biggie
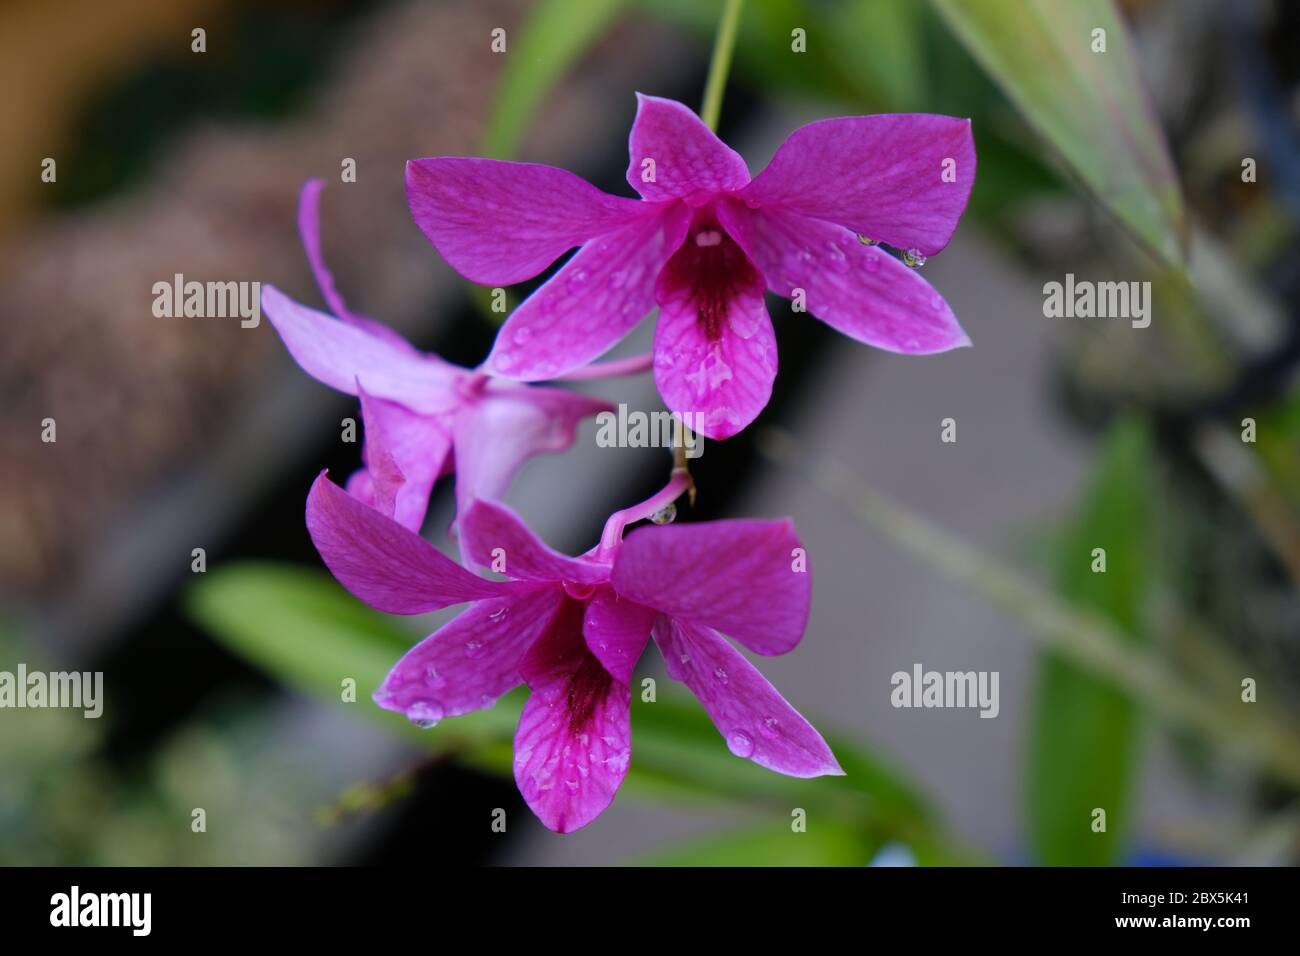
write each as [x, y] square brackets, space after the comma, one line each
[1084, 732]
[1091, 107]
[824, 844]
[556, 34]
[301, 627]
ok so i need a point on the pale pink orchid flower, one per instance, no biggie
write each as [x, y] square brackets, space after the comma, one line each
[704, 242]
[422, 416]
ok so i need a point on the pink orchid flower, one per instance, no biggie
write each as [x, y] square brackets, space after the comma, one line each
[572, 629]
[703, 243]
[420, 412]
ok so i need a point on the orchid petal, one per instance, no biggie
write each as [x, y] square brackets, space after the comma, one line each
[856, 289]
[471, 660]
[337, 354]
[616, 631]
[688, 159]
[384, 564]
[592, 302]
[574, 739]
[715, 351]
[744, 577]
[900, 178]
[404, 454]
[309, 232]
[757, 723]
[500, 539]
[499, 223]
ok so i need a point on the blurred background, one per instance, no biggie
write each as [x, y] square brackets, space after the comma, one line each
[1165, 690]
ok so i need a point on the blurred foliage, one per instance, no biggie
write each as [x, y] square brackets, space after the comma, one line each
[1084, 731]
[306, 631]
[64, 801]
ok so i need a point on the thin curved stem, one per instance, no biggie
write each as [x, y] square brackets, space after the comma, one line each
[679, 482]
[633, 365]
[720, 64]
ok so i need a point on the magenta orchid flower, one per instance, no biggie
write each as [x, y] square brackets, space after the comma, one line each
[420, 412]
[573, 629]
[703, 243]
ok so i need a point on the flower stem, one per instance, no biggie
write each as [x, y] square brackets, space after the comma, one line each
[1089, 641]
[720, 64]
[710, 110]
[679, 482]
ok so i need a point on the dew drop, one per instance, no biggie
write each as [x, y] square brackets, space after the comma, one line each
[665, 515]
[865, 241]
[499, 615]
[720, 674]
[740, 744]
[473, 649]
[769, 727]
[913, 259]
[424, 713]
[577, 281]
[522, 336]
[433, 678]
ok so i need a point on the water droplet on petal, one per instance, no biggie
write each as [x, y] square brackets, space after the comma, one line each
[720, 674]
[740, 744]
[522, 336]
[433, 678]
[913, 259]
[769, 727]
[424, 713]
[497, 616]
[665, 515]
[473, 648]
[865, 241]
[577, 281]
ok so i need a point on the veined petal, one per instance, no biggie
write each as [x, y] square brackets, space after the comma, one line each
[616, 631]
[744, 577]
[309, 231]
[472, 659]
[593, 301]
[382, 563]
[900, 178]
[755, 720]
[337, 354]
[499, 223]
[684, 156]
[404, 453]
[715, 351]
[488, 526]
[504, 427]
[859, 290]
[574, 738]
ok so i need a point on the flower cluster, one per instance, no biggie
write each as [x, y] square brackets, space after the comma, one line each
[703, 244]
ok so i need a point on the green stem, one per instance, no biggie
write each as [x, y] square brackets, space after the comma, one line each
[1091, 642]
[720, 64]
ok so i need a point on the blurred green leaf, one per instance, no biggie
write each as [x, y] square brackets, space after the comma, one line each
[825, 843]
[301, 627]
[1083, 730]
[1092, 107]
[556, 34]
